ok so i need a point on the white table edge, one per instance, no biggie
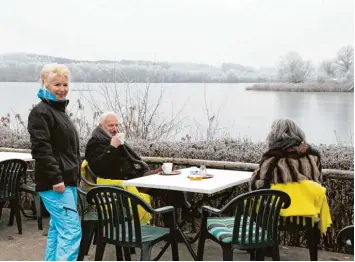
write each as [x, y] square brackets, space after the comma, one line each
[137, 184]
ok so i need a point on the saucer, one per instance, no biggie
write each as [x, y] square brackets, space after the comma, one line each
[174, 172]
[203, 177]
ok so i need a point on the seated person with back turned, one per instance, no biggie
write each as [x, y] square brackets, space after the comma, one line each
[288, 159]
[108, 159]
[293, 166]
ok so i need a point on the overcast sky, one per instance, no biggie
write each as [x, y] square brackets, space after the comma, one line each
[248, 32]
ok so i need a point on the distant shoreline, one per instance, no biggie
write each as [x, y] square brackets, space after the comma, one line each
[302, 87]
[144, 82]
[271, 87]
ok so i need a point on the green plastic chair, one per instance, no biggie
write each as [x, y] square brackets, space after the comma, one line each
[254, 226]
[11, 172]
[30, 187]
[119, 224]
[89, 218]
[345, 238]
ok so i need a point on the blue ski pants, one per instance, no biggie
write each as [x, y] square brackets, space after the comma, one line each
[64, 234]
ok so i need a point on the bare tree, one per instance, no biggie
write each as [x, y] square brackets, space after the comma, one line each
[212, 118]
[328, 68]
[139, 112]
[292, 68]
[345, 59]
[213, 130]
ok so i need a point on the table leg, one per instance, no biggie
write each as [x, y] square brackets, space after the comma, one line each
[194, 212]
[186, 242]
[189, 247]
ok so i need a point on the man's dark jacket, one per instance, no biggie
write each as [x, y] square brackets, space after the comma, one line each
[107, 161]
[54, 144]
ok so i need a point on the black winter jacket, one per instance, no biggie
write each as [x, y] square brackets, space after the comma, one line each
[110, 162]
[54, 144]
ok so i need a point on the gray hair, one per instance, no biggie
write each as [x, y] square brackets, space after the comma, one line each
[284, 128]
[105, 115]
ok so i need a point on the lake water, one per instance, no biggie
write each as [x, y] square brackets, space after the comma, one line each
[325, 117]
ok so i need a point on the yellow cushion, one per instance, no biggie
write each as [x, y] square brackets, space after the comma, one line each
[144, 216]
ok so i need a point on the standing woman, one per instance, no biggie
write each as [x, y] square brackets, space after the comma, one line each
[55, 148]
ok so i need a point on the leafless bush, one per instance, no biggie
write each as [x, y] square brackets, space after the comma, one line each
[140, 117]
[243, 150]
[13, 131]
[213, 129]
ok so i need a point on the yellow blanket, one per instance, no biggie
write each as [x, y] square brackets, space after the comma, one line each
[85, 172]
[307, 199]
[144, 216]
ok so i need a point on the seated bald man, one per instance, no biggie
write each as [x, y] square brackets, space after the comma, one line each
[108, 159]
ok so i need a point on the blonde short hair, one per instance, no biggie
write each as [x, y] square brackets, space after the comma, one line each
[50, 71]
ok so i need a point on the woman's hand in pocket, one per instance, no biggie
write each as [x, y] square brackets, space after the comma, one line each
[60, 188]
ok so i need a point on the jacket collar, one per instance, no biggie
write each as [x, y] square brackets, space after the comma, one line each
[59, 105]
[49, 99]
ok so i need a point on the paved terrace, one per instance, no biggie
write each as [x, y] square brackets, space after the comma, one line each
[31, 245]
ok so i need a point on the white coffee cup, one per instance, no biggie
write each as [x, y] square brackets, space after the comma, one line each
[167, 168]
[122, 137]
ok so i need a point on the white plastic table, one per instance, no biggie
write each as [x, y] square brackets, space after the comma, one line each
[222, 179]
[13, 155]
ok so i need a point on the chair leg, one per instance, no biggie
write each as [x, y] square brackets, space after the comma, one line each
[227, 253]
[174, 250]
[1, 206]
[15, 211]
[100, 249]
[93, 232]
[146, 252]
[38, 205]
[95, 236]
[12, 213]
[260, 254]
[316, 237]
[201, 246]
[119, 254]
[87, 229]
[132, 251]
[252, 255]
[18, 215]
[276, 253]
[127, 253]
[312, 242]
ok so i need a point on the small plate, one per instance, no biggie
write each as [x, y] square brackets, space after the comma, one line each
[174, 172]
